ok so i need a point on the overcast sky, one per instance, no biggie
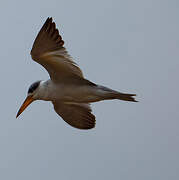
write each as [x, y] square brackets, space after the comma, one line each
[128, 45]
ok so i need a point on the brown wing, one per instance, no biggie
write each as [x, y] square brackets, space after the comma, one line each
[48, 51]
[77, 115]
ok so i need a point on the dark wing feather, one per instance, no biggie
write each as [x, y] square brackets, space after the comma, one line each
[77, 115]
[48, 51]
[48, 39]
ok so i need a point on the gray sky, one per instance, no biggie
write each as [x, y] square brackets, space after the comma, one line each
[131, 46]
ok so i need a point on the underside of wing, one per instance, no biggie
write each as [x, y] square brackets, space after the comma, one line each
[48, 51]
[77, 115]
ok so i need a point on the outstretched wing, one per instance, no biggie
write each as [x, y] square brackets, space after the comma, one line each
[48, 51]
[77, 115]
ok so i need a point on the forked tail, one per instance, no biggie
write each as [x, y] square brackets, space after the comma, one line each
[111, 94]
[125, 97]
[105, 93]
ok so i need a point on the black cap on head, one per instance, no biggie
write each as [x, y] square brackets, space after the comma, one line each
[33, 87]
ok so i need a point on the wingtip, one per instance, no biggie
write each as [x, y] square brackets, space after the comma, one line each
[134, 100]
[50, 18]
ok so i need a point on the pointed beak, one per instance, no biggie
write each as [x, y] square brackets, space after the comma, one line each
[27, 102]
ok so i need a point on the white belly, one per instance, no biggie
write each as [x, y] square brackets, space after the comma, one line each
[74, 93]
[68, 92]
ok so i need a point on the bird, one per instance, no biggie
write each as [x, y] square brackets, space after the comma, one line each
[69, 91]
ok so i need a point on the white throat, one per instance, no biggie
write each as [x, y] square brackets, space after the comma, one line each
[44, 91]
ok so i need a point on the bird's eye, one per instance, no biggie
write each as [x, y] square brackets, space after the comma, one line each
[33, 87]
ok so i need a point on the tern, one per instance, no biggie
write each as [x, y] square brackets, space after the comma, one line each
[68, 90]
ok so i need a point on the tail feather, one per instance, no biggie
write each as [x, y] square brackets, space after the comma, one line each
[126, 97]
[112, 94]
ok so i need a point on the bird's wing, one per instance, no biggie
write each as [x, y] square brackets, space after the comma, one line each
[48, 51]
[77, 115]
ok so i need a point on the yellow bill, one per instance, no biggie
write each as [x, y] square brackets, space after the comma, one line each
[26, 103]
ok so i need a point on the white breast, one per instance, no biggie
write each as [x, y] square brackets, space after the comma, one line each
[50, 91]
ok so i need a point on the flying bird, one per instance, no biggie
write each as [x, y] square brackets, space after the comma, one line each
[68, 90]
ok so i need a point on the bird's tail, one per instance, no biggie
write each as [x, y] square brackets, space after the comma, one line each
[125, 97]
[111, 94]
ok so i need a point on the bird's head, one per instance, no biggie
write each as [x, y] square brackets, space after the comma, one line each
[32, 95]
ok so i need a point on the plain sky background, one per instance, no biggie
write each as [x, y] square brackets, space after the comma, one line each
[128, 45]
